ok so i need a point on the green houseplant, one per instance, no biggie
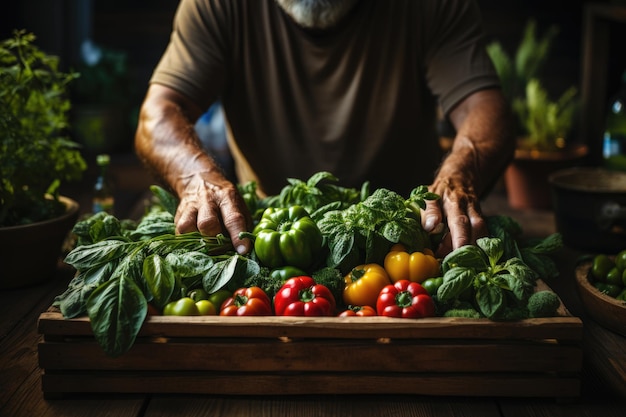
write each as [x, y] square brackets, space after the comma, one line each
[544, 125]
[36, 155]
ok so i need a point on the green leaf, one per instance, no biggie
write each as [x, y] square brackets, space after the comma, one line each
[189, 264]
[455, 281]
[167, 199]
[492, 247]
[230, 273]
[116, 310]
[543, 265]
[520, 270]
[468, 256]
[159, 277]
[490, 300]
[73, 302]
[341, 246]
[89, 256]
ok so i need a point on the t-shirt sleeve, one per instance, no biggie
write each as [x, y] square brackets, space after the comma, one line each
[457, 63]
[194, 60]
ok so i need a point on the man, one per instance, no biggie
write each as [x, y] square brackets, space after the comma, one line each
[346, 86]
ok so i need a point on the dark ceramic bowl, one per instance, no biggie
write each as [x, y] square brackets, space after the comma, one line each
[590, 208]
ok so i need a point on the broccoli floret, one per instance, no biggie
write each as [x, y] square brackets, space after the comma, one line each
[331, 278]
[265, 281]
[468, 313]
[543, 304]
[512, 313]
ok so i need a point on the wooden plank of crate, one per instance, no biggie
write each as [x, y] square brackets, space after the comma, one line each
[561, 328]
[498, 385]
[319, 355]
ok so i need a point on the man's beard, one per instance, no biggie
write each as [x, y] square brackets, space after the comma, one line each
[317, 14]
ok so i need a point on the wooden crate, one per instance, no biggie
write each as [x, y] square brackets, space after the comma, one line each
[299, 355]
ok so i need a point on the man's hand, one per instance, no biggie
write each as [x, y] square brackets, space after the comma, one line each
[213, 208]
[167, 143]
[459, 208]
[482, 148]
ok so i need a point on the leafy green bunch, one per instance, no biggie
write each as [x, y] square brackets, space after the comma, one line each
[364, 232]
[496, 288]
[36, 155]
[122, 266]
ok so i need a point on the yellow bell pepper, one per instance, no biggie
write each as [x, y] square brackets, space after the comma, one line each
[363, 285]
[415, 267]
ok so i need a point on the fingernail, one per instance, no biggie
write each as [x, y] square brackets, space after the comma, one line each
[241, 249]
[431, 222]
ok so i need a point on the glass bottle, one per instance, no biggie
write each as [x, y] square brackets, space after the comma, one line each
[103, 198]
[614, 143]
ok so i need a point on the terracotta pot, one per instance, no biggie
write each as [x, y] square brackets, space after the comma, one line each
[526, 178]
[29, 253]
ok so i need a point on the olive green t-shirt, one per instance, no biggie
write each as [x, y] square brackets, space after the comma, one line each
[358, 100]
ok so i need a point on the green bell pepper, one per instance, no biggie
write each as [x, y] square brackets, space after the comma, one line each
[287, 236]
[286, 272]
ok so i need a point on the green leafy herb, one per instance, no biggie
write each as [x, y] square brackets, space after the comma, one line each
[536, 253]
[120, 271]
[36, 153]
[497, 286]
[363, 232]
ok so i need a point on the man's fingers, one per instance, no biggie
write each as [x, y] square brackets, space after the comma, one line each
[431, 216]
[185, 219]
[235, 222]
[208, 222]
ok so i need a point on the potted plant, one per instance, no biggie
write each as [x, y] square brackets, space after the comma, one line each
[36, 157]
[544, 125]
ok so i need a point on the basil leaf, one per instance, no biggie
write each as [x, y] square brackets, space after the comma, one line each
[230, 273]
[96, 254]
[492, 247]
[116, 310]
[490, 300]
[543, 265]
[167, 199]
[468, 256]
[189, 264]
[520, 288]
[455, 282]
[159, 277]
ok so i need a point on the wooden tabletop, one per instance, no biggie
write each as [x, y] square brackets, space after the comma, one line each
[603, 379]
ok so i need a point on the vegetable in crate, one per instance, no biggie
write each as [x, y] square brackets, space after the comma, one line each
[500, 289]
[247, 302]
[364, 232]
[287, 236]
[187, 306]
[302, 296]
[363, 284]
[405, 299]
[417, 266]
[358, 311]
[120, 270]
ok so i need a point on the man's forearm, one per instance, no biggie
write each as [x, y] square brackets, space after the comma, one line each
[484, 143]
[166, 142]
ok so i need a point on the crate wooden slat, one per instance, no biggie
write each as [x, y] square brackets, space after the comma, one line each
[298, 355]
